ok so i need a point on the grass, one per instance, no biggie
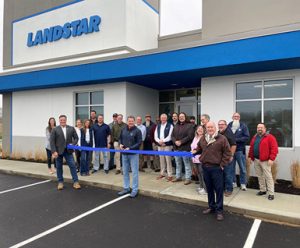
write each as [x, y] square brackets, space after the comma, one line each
[295, 172]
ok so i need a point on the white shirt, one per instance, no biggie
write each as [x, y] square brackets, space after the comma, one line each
[64, 129]
[162, 133]
[78, 131]
[143, 130]
[87, 135]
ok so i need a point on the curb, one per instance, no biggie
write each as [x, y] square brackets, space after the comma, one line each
[248, 213]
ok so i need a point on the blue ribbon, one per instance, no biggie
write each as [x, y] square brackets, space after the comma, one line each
[162, 153]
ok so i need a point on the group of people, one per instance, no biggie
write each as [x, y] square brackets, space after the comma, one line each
[215, 149]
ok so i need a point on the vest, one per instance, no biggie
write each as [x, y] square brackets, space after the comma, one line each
[166, 133]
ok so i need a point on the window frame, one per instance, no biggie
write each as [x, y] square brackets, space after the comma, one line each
[90, 106]
[263, 99]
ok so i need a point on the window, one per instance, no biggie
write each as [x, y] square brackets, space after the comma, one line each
[87, 101]
[186, 100]
[268, 101]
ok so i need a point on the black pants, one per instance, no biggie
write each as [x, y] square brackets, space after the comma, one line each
[214, 181]
[49, 159]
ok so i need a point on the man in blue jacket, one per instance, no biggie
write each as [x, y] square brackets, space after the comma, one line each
[241, 133]
[130, 139]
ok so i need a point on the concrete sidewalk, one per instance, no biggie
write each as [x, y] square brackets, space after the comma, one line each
[285, 208]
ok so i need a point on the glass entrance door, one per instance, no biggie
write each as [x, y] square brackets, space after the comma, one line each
[190, 108]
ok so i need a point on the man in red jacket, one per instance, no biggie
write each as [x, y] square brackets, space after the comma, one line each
[263, 151]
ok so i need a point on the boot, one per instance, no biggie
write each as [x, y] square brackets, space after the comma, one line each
[152, 165]
[145, 165]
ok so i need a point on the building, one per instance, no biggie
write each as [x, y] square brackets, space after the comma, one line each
[133, 57]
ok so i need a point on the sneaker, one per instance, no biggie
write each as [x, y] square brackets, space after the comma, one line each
[271, 197]
[76, 185]
[157, 170]
[208, 211]
[176, 180]
[227, 193]
[118, 172]
[106, 171]
[134, 194]
[169, 179]
[124, 192]
[187, 182]
[94, 171]
[202, 192]
[243, 187]
[220, 217]
[234, 185]
[60, 186]
[160, 177]
[259, 193]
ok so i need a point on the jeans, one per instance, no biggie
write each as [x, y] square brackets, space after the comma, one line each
[84, 161]
[131, 161]
[70, 162]
[200, 176]
[240, 158]
[213, 177]
[111, 160]
[97, 158]
[49, 159]
[187, 166]
[228, 177]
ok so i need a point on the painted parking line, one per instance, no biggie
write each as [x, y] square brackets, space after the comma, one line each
[252, 234]
[30, 240]
[25, 186]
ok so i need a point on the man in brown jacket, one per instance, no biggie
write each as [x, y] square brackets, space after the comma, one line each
[215, 154]
[182, 137]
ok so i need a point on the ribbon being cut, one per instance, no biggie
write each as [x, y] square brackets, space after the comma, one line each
[162, 153]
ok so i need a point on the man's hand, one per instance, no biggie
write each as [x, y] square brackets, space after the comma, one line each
[121, 147]
[178, 143]
[54, 155]
[194, 151]
[270, 162]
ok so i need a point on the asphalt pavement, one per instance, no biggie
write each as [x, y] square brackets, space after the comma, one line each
[136, 223]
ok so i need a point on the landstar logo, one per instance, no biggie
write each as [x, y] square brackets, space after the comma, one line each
[55, 33]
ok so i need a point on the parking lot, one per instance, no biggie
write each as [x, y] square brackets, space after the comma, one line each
[38, 215]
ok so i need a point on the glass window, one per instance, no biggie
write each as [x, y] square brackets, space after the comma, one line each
[82, 113]
[277, 113]
[82, 98]
[186, 95]
[250, 114]
[166, 96]
[167, 108]
[278, 119]
[99, 109]
[278, 88]
[87, 101]
[248, 90]
[199, 95]
[97, 97]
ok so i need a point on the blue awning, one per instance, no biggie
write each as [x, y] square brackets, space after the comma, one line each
[184, 67]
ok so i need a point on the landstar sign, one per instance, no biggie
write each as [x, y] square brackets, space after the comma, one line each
[55, 33]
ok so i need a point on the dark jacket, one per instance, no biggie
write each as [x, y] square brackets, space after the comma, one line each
[185, 133]
[229, 136]
[131, 138]
[242, 136]
[116, 131]
[268, 148]
[215, 154]
[58, 142]
[82, 139]
[149, 133]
